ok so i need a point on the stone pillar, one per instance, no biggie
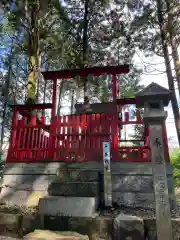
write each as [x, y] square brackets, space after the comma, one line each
[153, 99]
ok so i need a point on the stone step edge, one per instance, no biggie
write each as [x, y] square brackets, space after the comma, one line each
[72, 182]
[68, 206]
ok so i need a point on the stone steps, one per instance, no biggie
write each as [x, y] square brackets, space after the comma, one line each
[24, 184]
[74, 189]
[73, 193]
[75, 183]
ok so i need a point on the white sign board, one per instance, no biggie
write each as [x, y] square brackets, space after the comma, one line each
[107, 174]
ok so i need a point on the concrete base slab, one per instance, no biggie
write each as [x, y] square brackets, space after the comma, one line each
[68, 206]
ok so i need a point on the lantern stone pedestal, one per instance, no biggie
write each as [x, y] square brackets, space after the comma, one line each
[154, 98]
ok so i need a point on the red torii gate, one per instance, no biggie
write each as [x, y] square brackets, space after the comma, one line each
[84, 72]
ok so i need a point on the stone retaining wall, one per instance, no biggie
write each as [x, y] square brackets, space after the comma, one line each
[24, 184]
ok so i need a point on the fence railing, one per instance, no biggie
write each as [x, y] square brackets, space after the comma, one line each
[29, 139]
[79, 138]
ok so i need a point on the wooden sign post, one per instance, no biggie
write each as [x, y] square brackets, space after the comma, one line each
[107, 175]
[154, 98]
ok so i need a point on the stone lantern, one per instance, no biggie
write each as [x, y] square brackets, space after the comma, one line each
[153, 99]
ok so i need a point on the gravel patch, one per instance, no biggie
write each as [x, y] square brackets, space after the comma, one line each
[138, 212]
[13, 209]
[141, 212]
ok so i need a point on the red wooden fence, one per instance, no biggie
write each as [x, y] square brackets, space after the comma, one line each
[80, 138]
[28, 141]
[74, 138]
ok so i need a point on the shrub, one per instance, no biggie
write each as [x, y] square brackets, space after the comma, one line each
[175, 161]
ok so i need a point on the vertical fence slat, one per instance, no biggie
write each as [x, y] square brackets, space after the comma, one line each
[138, 116]
[58, 136]
[41, 144]
[93, 131]
[69, 136]
[88, 133]
[74, 132]
[81, 144]
[98, 136]
[28, 138]
[54, 128]
[18, 137]
[64, 131]
[126, 116]
[56, 132]
[76, 124]
[35, 138]
[32, 138]
[11, 152]
[56, 143]
[46, 148]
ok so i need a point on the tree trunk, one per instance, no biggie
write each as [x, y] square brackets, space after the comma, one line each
[34, 61]
[168, 69]
[59, 98]
[85, 45]
[31, 84]
[72, 100]
[173, 43]
[38, 78]
[16, 85]
[44, 90]
[5, 105]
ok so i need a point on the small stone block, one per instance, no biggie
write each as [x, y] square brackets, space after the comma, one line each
[30, 223]
[9, 223]
[68, 206]
[46, 235]
[150, 228]
[102, 228]
[128, 227]
[176, 228]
